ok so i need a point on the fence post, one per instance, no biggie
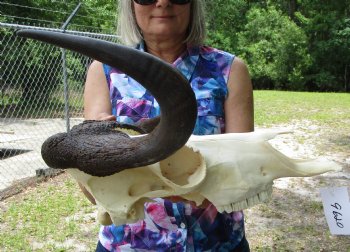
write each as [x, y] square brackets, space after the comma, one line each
[50, 171]
[21, 137]
[64, 66]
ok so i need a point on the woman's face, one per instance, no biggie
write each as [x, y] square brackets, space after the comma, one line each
[163, 19]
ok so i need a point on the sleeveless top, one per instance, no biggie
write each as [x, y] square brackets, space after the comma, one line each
[177, 226]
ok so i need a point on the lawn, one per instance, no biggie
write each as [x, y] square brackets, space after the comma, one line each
[277, 107]
[54, 216]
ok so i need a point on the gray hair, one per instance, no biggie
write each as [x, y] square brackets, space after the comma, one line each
[130, 33]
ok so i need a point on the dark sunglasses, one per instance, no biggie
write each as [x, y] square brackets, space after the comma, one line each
[149, 2]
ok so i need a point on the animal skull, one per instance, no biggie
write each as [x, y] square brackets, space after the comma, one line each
[233, 171]
[241, 168]
[123, 194]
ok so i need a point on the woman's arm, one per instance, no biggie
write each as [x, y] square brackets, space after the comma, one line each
[97, 105]
[239, 107]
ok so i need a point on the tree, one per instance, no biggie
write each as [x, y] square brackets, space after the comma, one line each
[275, 49]
[93, 14]
[327, 28]
[294, 44]
[225, 19]
[39, 66]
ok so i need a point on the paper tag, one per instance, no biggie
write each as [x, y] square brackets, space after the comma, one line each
[336, 206]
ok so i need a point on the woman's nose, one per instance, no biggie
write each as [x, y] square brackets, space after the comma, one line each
[162, 3]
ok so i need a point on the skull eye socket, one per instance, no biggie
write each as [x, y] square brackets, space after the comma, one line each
[183, 167]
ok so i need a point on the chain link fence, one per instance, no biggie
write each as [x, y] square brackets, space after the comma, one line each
[41, 89]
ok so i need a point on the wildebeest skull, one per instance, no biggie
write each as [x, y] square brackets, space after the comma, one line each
[233, 171]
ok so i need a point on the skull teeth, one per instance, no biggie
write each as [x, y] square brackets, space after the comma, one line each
[261, 197]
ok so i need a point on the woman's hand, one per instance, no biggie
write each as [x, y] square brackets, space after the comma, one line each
[106, 117]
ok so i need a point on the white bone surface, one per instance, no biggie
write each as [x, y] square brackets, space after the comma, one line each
[234, 171]
[123, 194]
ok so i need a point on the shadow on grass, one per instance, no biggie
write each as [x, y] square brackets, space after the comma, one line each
[341, 140]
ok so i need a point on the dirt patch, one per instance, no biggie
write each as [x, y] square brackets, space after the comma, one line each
[293, 220]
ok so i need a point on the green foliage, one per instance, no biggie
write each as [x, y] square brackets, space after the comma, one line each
[326, 26]
[219, 40]
[97, 15]
[277, 51]
[40, 59]
[289, 45]
[38, 70]
[223, 26]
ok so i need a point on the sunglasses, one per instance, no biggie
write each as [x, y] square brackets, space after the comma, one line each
[149, 2]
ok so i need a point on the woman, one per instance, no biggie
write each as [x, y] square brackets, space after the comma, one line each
[174, 30]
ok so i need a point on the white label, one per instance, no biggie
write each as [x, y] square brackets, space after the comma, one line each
[336, 205]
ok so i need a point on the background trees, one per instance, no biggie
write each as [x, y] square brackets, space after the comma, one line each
[35, 69]
[275, 49]
[289, 45]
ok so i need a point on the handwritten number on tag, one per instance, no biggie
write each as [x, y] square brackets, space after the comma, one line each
[337, 215]
[336, 206]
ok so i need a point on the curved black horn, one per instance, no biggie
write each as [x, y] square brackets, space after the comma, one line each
[103, 155]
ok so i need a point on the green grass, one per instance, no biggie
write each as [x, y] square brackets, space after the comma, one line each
[47, 217]
[276, 107]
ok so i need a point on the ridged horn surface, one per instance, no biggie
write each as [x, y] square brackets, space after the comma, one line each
[104, 151]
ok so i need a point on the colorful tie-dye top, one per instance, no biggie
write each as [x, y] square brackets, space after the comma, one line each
[177, 226]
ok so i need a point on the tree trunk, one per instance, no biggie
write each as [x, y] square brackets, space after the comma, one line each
[292, 8]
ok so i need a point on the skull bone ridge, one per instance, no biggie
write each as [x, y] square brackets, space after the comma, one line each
[233, 171]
